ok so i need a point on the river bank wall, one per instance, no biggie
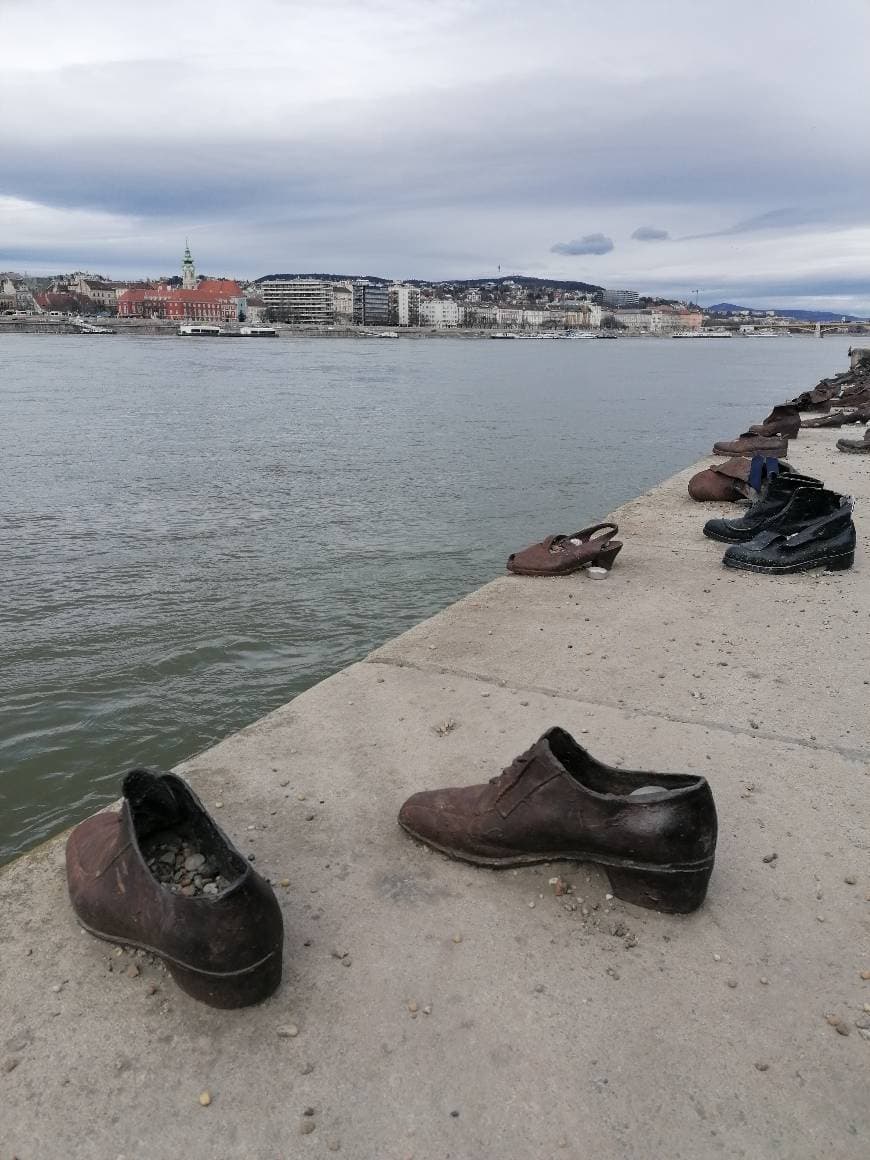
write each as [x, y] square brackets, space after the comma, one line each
[155, 328]
[432, 1009]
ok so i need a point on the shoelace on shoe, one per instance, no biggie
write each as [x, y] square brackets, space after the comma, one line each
[513, 771]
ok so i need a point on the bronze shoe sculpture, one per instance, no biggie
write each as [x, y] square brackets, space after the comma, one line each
[561, 555]
[784, 419]
[775, 446]
[654, 834]
[735, 479]
[855, 445]
[214, 921]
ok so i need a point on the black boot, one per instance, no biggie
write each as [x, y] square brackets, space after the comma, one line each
[775, 495]
[814, 530]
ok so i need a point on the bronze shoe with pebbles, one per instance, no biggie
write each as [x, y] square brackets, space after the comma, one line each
[561, 555]
[161, 876]
[654, 834]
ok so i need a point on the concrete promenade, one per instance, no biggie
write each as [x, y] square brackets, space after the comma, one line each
[444, 1011]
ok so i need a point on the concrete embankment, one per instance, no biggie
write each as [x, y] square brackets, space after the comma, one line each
[441, 1010]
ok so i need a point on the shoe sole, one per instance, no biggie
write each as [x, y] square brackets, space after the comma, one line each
[676, 889]
[838, 563]
[725, 539]
[223, 989]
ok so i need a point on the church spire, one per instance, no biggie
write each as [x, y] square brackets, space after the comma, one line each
[188, 270]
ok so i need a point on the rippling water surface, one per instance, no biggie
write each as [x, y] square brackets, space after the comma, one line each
[193, 531]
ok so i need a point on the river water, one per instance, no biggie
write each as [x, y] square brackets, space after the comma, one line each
[192, 532]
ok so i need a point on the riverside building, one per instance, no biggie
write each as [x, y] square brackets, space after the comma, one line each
[304, 301]
[371, 304]
[404, 305]
[198, 300]
[441, 313]
[213, 300]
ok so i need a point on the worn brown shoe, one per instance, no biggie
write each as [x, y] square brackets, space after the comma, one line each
[729, 482]
[784, 419]
[855, 445]
[771, 445]
[225, 947]
[722, 483]
[653, 833]
[834, 419]
[856, 399]
[816, 400]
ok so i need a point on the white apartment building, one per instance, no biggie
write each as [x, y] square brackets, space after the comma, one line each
[621, 298]
[404, 305]
[305, 301]
[441, 312]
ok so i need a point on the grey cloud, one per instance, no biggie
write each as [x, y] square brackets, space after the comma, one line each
[774, 219]
[372, 182]
[650, 234]
[588, 244]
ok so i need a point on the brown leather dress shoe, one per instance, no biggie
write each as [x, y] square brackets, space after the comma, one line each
[772, 445]
[653, 833]
[223, 948]
[560, 555]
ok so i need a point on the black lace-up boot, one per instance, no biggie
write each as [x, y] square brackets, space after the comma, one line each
[814, 530]
[775, 495]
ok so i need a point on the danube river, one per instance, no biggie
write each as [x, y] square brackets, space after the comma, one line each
[194, 531]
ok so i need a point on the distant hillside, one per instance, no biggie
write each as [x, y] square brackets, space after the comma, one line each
[784, 312]
[518, 279]
[328, 277]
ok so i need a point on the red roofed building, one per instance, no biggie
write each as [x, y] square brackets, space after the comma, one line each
[214, 300]
[209, 300]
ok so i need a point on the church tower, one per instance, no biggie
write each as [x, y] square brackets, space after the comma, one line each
[188, 270]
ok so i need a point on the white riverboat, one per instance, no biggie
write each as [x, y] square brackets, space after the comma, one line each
[199, 330]
[258, 332]
[711, 333]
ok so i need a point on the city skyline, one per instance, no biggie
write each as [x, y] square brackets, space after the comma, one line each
[717, 152]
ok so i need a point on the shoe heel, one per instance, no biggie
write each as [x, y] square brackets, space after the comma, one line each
[607, 555]
[670, 891]
[841, 563]
[227, 991]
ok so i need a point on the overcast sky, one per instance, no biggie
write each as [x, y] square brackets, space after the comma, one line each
[667, 146]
